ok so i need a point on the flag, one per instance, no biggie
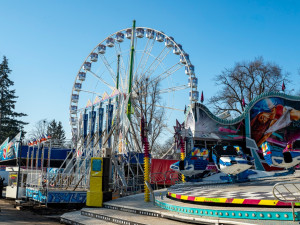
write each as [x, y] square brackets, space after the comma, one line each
[44, 138]
[3, 149]
[243, 102]
[9, 153]
[97, 100]
[89, 104]
[115, 92]
[13, 147]
[202, 97]
[105, 96]
[283, 86]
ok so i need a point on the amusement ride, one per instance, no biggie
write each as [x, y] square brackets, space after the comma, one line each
[135, 78]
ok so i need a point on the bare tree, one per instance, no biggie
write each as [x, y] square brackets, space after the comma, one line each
[246, 80]
[166, 149]
[146, 99]
[38, 130]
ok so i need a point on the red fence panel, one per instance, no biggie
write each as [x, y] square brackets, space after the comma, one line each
[161, 173]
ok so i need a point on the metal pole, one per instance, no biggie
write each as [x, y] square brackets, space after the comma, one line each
[31, 165]
[131, 70]
[118, 75]
[19, 167]
[182, 155]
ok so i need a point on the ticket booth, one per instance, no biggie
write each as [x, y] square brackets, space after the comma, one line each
[11, 189]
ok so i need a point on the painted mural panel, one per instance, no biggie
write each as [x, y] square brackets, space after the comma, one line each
[204, 127]
[275, 120]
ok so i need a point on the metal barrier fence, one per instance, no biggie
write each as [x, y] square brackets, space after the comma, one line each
[158, 180]
[287, 192]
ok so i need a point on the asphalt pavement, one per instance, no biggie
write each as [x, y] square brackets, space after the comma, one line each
[10, 215]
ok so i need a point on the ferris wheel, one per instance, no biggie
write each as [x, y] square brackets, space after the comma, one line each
[132, 70]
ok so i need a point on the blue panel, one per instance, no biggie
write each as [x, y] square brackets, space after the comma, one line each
[109, 109]
[96, 165]
[66, 197]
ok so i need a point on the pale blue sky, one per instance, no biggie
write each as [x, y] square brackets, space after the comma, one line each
[47, 41]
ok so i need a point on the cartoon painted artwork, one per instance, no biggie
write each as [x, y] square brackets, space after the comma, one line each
[276, 121]
[275, 126]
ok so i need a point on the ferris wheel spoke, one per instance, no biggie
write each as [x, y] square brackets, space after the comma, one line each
[103, 81]
[160, 106]
[157, 61]
[168, 72]
[167, 90]
[145, 56]
[172, 89]
[92, 92]
[108, 67]
[119, 52]
[122, 70]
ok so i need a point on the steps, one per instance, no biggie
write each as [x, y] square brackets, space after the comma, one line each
[76, 218]
[111, 216]
[114, 214]
[128, 218]
[132, 210]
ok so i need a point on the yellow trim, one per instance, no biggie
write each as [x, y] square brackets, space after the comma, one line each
[184, 197]
[199, 199]
[268, 202]
[238, 201]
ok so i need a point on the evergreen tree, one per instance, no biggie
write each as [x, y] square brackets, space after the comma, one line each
[9, 123]
[56, 131]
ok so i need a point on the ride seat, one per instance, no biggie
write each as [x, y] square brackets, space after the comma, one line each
[287, 157]
[218, 150]
[230, 150]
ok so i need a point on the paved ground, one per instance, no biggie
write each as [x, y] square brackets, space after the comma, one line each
[10, 215]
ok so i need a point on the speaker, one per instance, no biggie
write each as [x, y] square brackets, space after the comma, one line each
[106, 174]
[107, 196]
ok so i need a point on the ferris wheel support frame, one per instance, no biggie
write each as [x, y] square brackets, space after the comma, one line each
[131, 70]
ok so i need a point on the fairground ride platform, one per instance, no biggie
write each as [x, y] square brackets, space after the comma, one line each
[123, 210]
[253, 193]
